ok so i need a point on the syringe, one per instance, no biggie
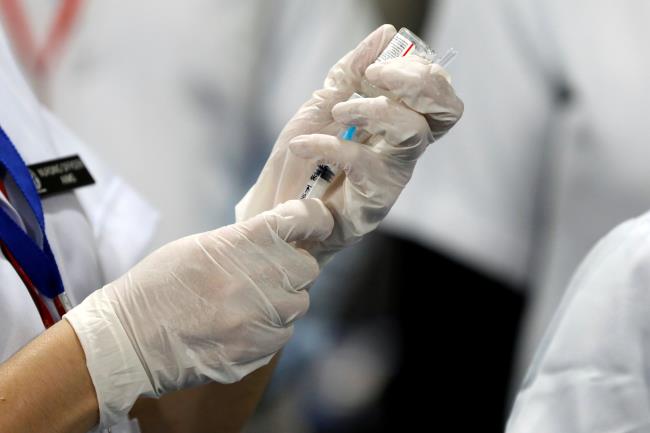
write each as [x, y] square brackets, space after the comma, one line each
[404, 43]
[324, 174]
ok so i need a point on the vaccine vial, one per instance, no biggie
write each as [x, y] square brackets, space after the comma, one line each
[404, 43]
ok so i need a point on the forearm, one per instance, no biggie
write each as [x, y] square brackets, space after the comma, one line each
[45, 387]
[208, 408]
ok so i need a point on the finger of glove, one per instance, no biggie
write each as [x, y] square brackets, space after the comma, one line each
[347, 72]
[290, 306]
[273, 233]
[401, 127]
[299, 220]
[422, 86]
[288, 295]
[262, 249]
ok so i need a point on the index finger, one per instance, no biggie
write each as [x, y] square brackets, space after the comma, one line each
[421, 85]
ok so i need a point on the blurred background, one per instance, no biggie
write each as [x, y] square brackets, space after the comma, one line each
[431, 321]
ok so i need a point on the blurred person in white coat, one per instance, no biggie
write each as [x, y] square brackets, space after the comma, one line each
[590, 372]
[551, 152]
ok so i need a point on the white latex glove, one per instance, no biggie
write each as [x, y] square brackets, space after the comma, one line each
[591, 373]
[426, 108]
[212, 306]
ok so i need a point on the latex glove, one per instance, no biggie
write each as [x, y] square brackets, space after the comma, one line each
[426, 107]
[212, 306]
[590, 373]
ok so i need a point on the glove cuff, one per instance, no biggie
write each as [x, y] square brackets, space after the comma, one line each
[114, 366]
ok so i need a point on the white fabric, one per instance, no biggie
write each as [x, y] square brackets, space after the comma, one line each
[590, 375]
[304, 44]
[89, 243]
[10, 210]
[214, 306]
[529, 181]
[425, 107]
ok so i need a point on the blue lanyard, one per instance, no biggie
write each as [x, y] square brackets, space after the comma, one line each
[37, 262]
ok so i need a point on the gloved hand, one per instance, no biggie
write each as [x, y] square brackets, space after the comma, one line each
[425, 108]
[212, 306]
[590, 374]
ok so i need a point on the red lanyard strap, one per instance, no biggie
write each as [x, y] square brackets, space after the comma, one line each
[39, 61]
[61, 302]
[43, 311]
[34, 262]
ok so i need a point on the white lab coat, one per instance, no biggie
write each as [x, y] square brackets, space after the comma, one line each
[528, 180]
[590, 374]
[96, 232]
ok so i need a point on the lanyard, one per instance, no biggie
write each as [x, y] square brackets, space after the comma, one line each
[39, 61]
[43, 311]
[41, 306]
[36, 261]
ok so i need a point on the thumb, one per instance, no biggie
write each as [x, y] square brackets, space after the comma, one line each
[354, 64]
[299, 220]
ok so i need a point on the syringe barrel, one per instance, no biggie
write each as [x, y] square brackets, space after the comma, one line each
[319, 181]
